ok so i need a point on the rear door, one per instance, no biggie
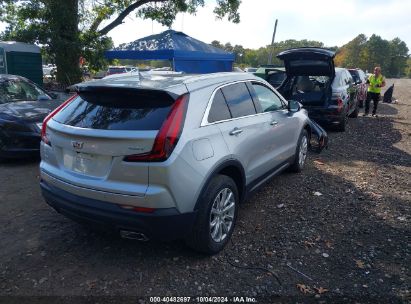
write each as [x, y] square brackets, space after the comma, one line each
[308, 61]
[245, 133]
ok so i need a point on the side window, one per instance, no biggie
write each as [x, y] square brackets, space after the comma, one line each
[345, 78]
[268, 100]
[362, 75]
[239, 100]
[219, 109]
[349, 78]
[355, 76]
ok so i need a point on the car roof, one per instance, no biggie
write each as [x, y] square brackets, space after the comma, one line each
[167, 82]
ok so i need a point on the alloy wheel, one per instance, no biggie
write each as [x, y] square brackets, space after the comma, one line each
[302, 155]
[222, 215]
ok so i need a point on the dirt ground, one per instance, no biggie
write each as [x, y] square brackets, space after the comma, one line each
[338, 232]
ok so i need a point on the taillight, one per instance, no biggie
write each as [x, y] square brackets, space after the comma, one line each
[337, 100]
[48, 117]
[168, 135]
[340, 104]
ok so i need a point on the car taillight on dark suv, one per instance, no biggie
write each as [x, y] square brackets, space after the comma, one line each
[168, 135]
[337, 101]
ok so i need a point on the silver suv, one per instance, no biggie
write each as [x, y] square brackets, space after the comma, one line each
[170, 157]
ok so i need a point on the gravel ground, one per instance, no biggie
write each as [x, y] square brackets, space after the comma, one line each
[338, 232]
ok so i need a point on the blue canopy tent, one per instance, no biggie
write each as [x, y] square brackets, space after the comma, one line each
[187, 54]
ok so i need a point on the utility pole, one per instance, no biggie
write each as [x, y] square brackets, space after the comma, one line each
[272, 43]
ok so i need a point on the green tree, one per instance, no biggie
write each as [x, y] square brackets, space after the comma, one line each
[376, 53]
[217, 44]
[353, 49]
[398, 58]
[72, 28]
[238, 51]
[228, 47]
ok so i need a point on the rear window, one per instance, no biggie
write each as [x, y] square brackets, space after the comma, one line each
[239, 100]
[276, 78]
[133, 114]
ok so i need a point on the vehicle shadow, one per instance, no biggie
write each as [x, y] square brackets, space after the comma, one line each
[13, 162]
[369, 139]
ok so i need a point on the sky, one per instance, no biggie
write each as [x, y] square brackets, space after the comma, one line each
[333, 22]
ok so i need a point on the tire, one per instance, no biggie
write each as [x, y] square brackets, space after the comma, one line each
[354, 114]
[343, 123]
[206, 237]
[300, 153]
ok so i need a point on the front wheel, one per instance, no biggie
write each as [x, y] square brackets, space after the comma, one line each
[216, 216]
[301, 152]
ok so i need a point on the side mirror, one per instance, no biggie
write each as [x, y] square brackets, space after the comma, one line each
[294, 106]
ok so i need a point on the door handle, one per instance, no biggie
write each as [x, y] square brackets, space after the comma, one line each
[274, 123]
[236, 131]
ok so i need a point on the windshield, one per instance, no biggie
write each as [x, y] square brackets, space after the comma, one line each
[14, 90]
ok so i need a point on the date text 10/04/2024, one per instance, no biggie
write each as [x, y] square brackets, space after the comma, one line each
[236, 299]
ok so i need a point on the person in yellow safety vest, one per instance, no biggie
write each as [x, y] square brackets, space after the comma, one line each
[375, 82]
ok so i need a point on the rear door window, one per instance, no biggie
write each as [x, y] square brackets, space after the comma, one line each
[268, 100]
[238, 100]
[355, 75]
[138, 115]
[349, 78]
[219, 109]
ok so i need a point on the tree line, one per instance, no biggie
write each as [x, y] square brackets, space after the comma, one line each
[70, 29]
[361, 52]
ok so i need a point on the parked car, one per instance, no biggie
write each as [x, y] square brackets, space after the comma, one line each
[119, 70]
[328, 93]
[23, 106]
[360, 80]
[131, 73]
[273, 75]
[250, 70]
[170, 158]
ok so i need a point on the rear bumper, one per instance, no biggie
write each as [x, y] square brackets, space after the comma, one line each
[162, 224]
[326, 116]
